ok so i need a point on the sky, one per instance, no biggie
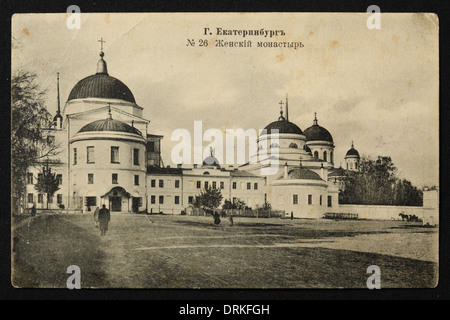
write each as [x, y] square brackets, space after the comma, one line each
[376, 87]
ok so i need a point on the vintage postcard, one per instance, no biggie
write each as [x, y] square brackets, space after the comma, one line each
[225, 150]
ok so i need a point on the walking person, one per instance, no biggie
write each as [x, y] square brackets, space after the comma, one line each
[33, 210]
[103, 218]
[97, 209]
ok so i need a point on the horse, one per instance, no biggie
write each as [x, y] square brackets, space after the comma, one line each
[404, 216]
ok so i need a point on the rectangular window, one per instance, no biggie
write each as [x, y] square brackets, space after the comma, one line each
[29, 178]
[151, 146]
[214, 185]
[50, 199]
[135, 156]
[136, 180]
[115, 155]
[91, 201]
[177, 184]
[161, 199]
[59, 178]
[310, 200]
[90, 178]
[330, 201]
[153, 183]
[90, 154]
[295, 199]
[191, 200]
[234, 185]
[59, 198]
[40, 176]
[249, 186]
[177, 199]
[206, 184]
[115, 178]
[320, 199]
[161, 183]
[30, 198]
[40, 198]
[199, 184]
[74, 156]
[153, 199]
[222, 185]
[255, 186]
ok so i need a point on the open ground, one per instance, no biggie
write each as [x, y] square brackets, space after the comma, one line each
[158, 251]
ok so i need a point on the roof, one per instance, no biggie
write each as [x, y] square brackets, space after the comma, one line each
[101, 85]
[303, 174]
[109, 125]
[166, 171]
[318, 133]
[283, 126]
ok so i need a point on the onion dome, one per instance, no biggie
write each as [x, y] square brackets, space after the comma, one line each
[101, 85]
[283, 126]
[303, 174]
[352, 152]
[317, 133]
[109, 125]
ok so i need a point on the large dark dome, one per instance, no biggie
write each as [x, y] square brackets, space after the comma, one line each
[283, 126]
[109, 125]
[317, 133]
[101, 85]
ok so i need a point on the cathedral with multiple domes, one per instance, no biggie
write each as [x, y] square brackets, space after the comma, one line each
[110, 156]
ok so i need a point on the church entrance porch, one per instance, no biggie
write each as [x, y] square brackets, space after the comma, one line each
[118, 199]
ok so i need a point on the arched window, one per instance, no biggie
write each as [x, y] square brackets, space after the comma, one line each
[347, 165]
[356, 165]
[331, 157]
[324, 156]
[260, 147]
[316, 155]
[293, 146]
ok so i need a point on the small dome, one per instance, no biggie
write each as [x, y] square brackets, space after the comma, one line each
[317, 133]
[211, 161]
[303, 174]
[109, 125]
[352, 152]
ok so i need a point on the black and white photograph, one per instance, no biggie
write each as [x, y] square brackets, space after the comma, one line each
[225, 150]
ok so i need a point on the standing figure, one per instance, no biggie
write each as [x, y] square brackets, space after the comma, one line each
[96, 217]
[33, 210]
[231, 219]
[292, 215]
[104, 217]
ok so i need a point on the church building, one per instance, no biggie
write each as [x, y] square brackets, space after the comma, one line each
[110, 156]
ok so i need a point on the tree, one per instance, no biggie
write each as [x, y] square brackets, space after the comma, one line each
[28, 143]
[377, 184]
[210, 198]
[238, 204]
[47, 183]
